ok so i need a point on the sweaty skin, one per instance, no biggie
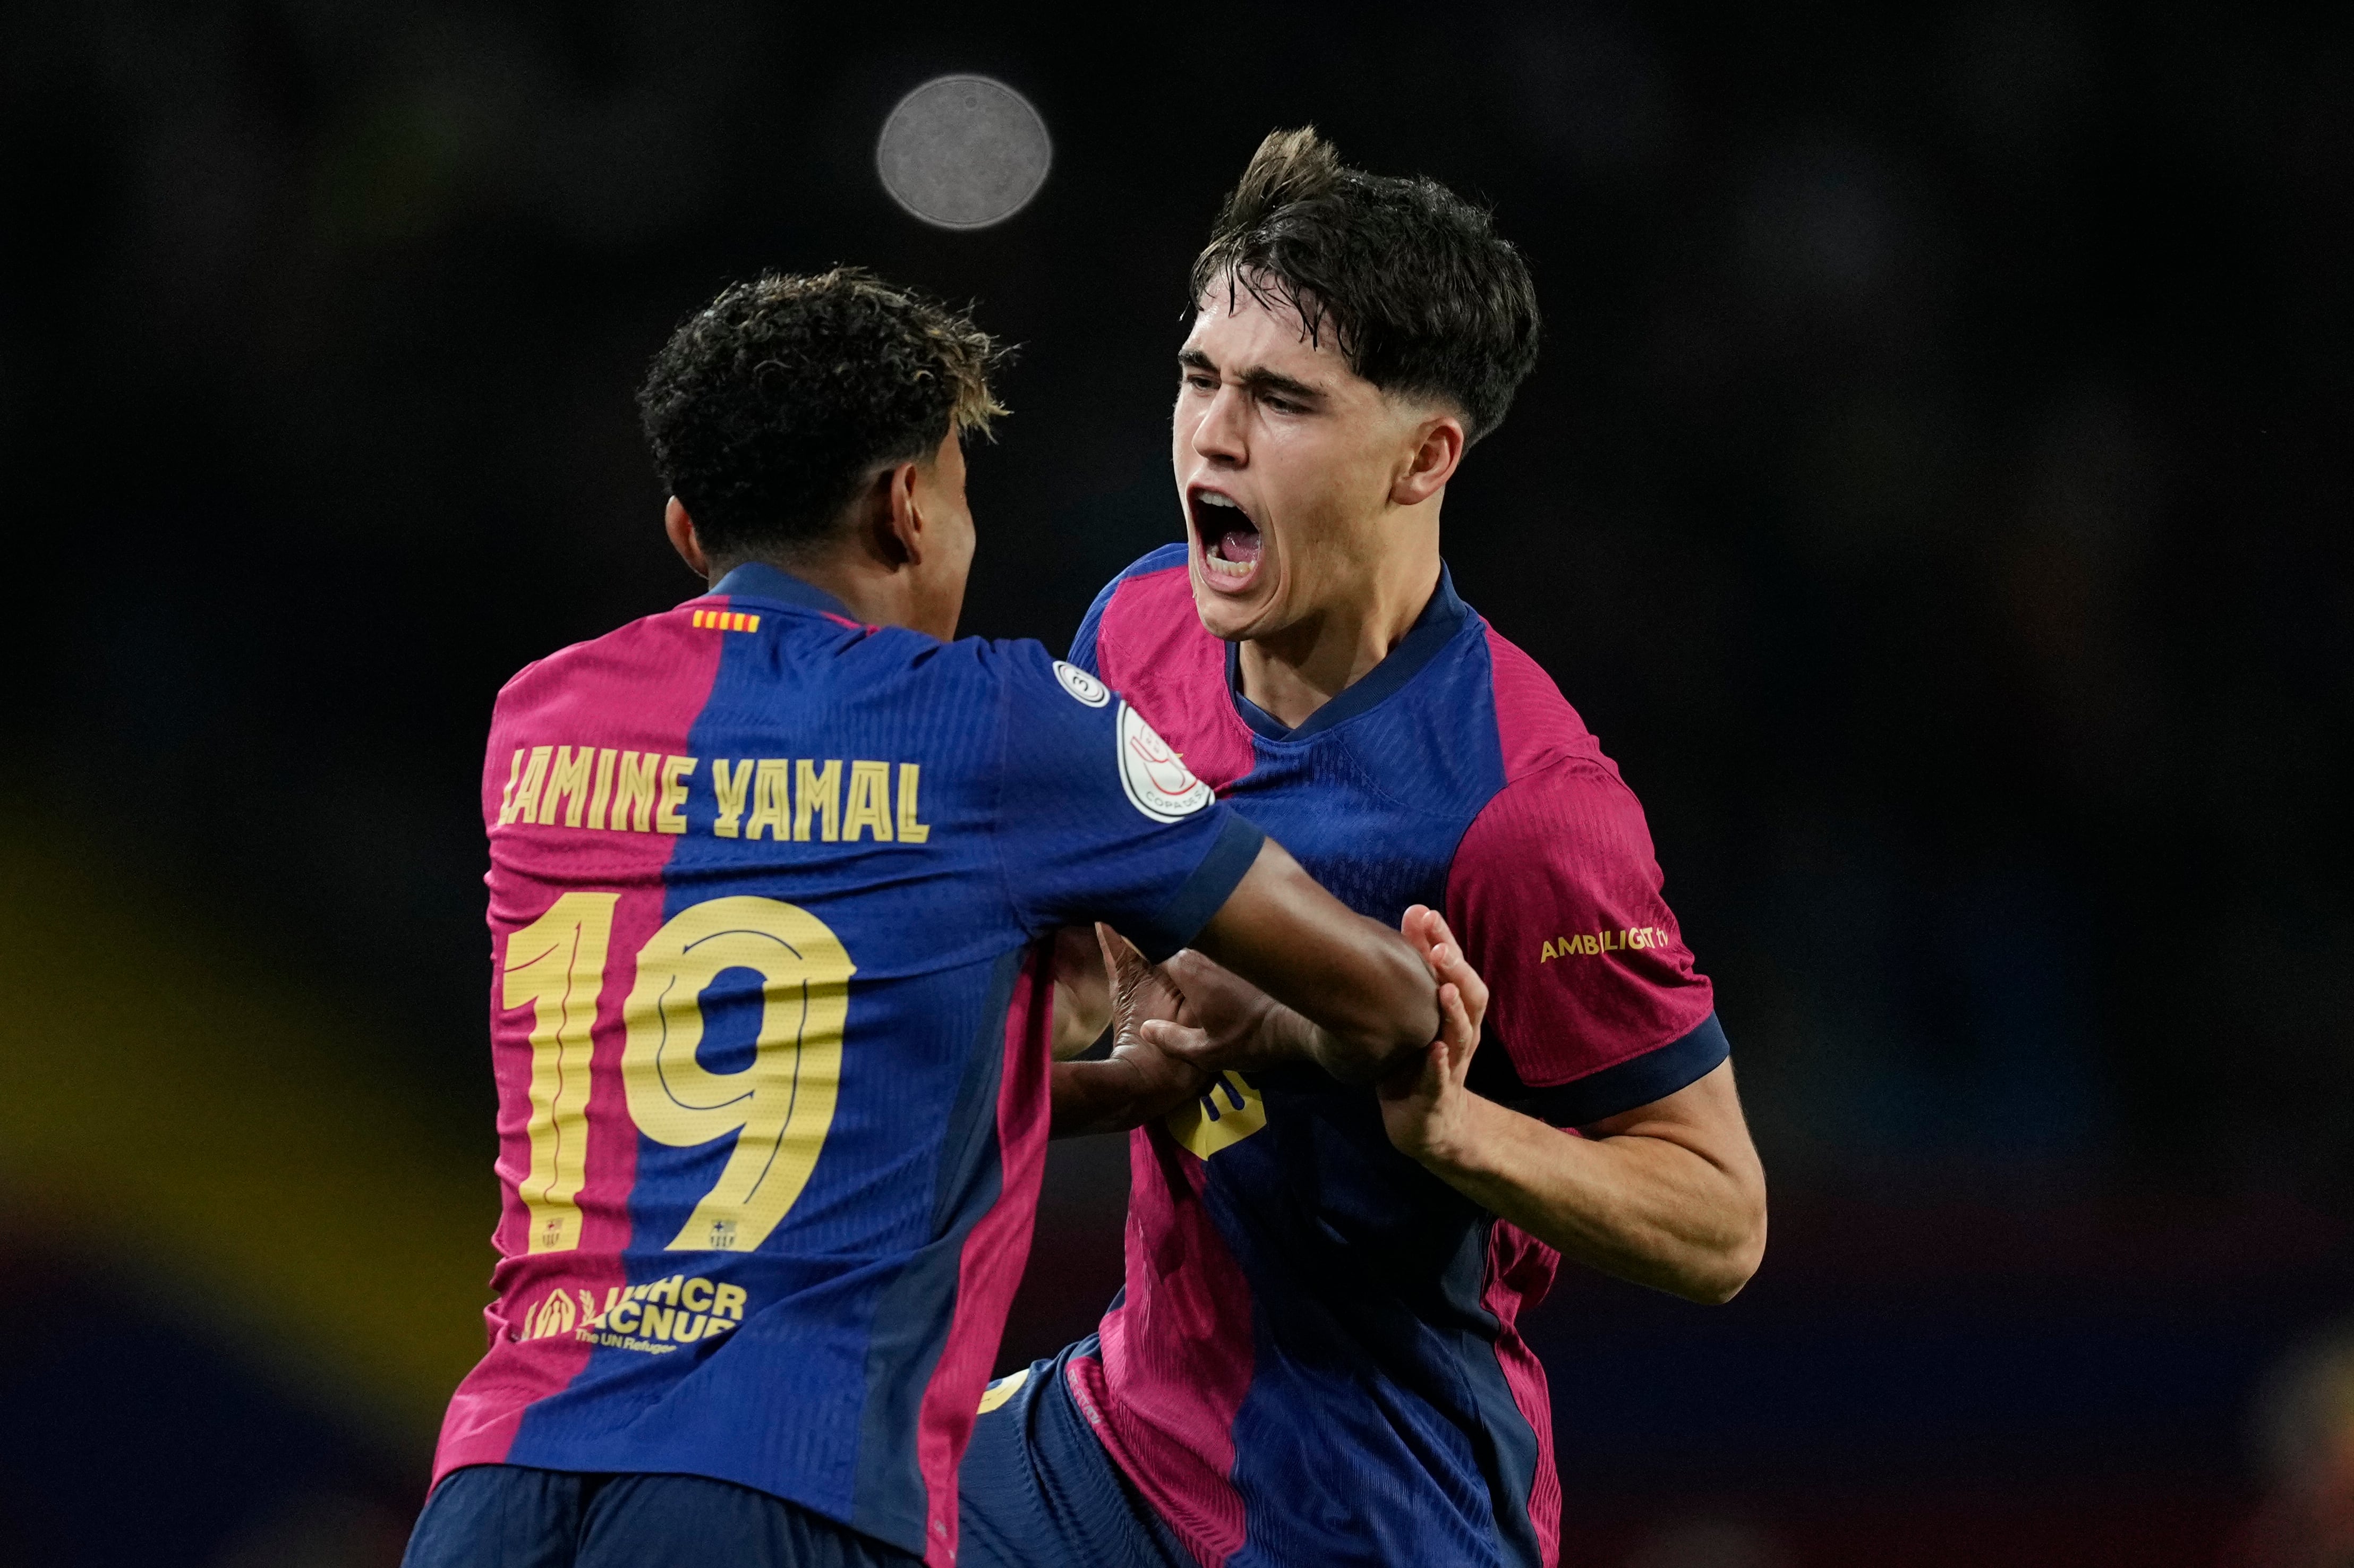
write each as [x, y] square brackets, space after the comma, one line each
[1313, 499]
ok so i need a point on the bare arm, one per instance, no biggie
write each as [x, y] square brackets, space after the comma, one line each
[1669, 1194]
[1363, 990]
[1082, 990]
[1137, 1081]
[1364, 1000]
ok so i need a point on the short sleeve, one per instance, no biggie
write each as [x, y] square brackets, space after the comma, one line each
[1098, 819]
[1090, 632]
[1086, 652]
[1556, 895]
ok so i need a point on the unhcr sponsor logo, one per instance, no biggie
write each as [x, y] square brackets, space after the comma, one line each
[655, 1318]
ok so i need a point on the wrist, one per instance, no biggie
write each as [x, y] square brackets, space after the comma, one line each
[1287, 1036]
[1450, 1144]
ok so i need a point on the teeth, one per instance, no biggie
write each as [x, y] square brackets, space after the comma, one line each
[1212, 498]
[1229, 568]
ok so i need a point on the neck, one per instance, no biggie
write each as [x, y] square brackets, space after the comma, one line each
[1292, 672]
[869, 591]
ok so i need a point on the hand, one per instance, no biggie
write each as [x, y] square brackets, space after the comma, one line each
[1425, 1106]
[1138, 1082]
[1140, 991]
[1427, 929]
[1228, 1022]
[1082, 990]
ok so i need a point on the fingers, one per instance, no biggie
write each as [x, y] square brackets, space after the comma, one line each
[1186, 965]
[1120, 956]
[1449, 965]
[1174, 1039]
[1427, 929]
[1458, 1031]
[1414, 927]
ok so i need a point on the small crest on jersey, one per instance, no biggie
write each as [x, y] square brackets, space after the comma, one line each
[726, 621]
[1158, 782]
[1081, 684]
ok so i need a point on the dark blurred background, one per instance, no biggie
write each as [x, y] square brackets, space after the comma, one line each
[1935, 492]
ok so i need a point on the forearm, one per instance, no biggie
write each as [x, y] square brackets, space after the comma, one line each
[1364, 986]
[1640, 1207]
[1087, 1099]
[1285, 1036]
[1128, 1088]
[1373, 1006]
[1082, 990]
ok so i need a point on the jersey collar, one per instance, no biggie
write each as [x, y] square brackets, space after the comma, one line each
[758, 579]
[1436, 626]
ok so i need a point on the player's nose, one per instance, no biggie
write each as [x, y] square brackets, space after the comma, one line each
[1219, 436]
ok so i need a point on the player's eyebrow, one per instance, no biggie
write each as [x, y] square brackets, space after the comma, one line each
[1259, 380]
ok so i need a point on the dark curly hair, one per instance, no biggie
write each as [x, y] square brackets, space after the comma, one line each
[772, 405]
[1422, 296]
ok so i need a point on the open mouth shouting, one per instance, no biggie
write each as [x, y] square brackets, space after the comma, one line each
[1227, 538]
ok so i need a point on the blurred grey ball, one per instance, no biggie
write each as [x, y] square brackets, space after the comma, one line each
[964, 152]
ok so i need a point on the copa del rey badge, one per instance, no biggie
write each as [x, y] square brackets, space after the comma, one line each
[1159, 783]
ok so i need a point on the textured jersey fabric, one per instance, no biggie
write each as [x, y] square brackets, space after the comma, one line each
[1316, 1357]
[512, 1516]
[770, 1027]
[1038, 1491]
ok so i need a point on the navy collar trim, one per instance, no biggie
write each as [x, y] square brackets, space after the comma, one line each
[1433, 630]
[758, 579]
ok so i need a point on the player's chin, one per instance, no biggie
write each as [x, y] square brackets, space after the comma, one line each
[1230, 613]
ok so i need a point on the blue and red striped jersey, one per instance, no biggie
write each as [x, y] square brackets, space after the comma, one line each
[1316, 1357]
[769, 1018]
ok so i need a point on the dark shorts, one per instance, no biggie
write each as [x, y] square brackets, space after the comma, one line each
[511, 1516]
[1037, 1490]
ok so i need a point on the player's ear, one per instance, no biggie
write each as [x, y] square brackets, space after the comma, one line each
[901, 516]
[681, 529]
[1439, 443]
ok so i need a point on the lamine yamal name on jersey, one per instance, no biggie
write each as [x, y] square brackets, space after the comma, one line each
[799, 797]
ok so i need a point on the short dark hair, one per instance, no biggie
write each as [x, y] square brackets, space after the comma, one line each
[1422, 294]
[770, 407]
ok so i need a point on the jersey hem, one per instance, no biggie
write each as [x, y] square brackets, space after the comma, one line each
[1637, 1081]
[906, 1534]
[1180, 920]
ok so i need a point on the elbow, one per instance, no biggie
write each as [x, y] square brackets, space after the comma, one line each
[1719, 1276]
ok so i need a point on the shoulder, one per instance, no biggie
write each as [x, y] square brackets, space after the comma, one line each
[1146, 605]
[634, 643]
[1536, 728]
[1033, 688]
[1574, 817]
[1562, 801]
[1152, 565]
[1145, 640]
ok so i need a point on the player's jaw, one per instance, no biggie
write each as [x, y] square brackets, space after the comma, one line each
[1255, 564]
